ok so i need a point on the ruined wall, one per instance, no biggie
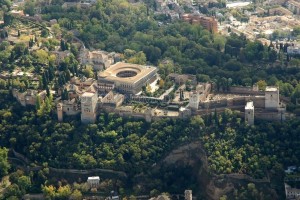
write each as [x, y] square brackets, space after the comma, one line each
[263, 115]
[259, 102]
[213, 104]
[269, 116]
[245, 91]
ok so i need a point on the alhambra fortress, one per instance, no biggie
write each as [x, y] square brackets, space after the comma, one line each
[119, 86]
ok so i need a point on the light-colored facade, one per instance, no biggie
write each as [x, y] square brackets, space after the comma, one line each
[249, 113]
[127, 78]
[112, 100]
[76, 88]
[71, 107]
[29, 97]
[89, 107]
[67, 5]
[94, 181]
[188, 195]
[194, 100]
[98, 59]
[199, 95]
[271, 98]
[291, 193]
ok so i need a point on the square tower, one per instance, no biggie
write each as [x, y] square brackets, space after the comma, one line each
[271, 98]
[249, 113]
[194, 100]
[89, 107]
[188, 195]
[59, 112]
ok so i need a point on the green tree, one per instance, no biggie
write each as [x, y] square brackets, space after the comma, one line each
[49, 191]
[88, 72]
[5, 5]
[29, 7]
[262, 84]
[76, 195]
[12, 191]
[64, 192]
[4, 164]
[42, 56]
[24, 183]
[38, 102]
[296, 94]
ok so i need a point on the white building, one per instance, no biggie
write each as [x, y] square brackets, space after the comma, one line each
[89, 107]
[249, 113]
[93, 181]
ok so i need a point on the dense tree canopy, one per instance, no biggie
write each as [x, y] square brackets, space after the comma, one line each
[4, 165]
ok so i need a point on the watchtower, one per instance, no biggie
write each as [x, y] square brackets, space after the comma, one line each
[59, 107]
[249, 113]
[271, 98]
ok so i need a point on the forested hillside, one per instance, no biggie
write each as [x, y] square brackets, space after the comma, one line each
[134, 146]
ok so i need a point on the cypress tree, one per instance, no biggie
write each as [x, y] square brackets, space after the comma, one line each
[38, 102]
[45, 83]
[68, 75]
[47, 91]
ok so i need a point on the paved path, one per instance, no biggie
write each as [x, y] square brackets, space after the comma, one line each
[167, 92]
[25, 165]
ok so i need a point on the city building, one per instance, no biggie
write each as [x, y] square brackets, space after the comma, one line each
[209, 23]
[89, 107]
[28, 97]
[126, 78]
[98, 59]
[93, 181]
[249, 113]
[70, 107]
[188, 195]
[293, 50]
[112, 99]
[291, 193]
[293, 6]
